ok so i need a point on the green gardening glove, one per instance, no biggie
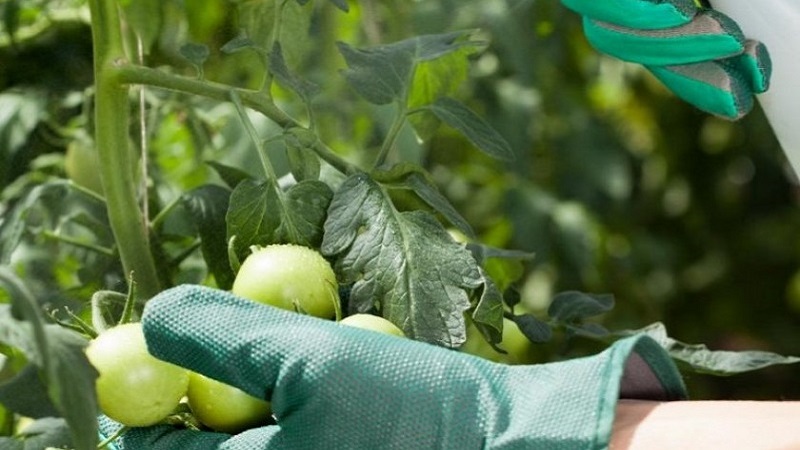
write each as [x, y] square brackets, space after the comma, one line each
[698, 53]
[338, 387]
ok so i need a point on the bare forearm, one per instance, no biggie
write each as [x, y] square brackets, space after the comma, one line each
[731, 425]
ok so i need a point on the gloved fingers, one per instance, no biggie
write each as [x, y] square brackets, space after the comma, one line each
[755, 64]
[642, 14]
[166, 437]
[236, 341]
[712, 86]
[710, 35]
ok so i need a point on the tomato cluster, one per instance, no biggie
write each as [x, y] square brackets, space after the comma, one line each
[136, 389]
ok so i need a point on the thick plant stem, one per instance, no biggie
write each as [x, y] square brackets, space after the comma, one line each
[117, 159]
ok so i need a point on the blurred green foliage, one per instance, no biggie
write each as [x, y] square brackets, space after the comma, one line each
[618, 187]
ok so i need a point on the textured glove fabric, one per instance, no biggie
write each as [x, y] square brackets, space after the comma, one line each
[338, 387]
[700, 54]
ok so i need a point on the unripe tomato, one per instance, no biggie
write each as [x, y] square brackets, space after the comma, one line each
[374, 323]
[223, 407]
[82, 164]
[291, 277]
[134, 388]
[518, 347]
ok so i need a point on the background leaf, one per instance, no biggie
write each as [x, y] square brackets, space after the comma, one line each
[480, 133]
[573, 306]
[716, 362]
[382, 74]
[405, 264]
[208, 206]
[59, 355]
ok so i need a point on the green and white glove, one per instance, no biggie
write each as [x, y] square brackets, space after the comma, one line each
[338, 387]
[698, 53]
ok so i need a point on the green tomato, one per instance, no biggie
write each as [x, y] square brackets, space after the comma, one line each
[374, 323]
[134, 388]
[291, 277]
[82, 164]
[518, 347]
[223, 407]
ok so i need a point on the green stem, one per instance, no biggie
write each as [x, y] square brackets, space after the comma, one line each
[269, 171]
[133, 74]
[117, 160]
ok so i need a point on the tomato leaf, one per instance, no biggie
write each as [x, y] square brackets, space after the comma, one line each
[572, 306]
[303, 162]
[403, 263]
[473, 127]
[488, 313]
[58, 353]
[45, 433]
[232, 176]
[25, 394]
[534, 329]
[261, 214]
[384, 73]
[208, 206]
[716, 362]
[277, 65]
[413, 177]
[436, 78]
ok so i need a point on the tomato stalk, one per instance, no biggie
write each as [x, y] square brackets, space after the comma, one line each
[117, 159]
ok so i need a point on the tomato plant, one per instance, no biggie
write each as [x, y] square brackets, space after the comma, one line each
[134, 388]
[223, 407]
[290, 277]
[343, 139]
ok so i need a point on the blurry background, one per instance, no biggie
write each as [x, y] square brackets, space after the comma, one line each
[619, 187]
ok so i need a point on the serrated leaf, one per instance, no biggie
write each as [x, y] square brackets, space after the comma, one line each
[716, 362]
[304, 164]
[379, 75]
[208, 206]
[488, 313]
[403, 263]
[197, 54]
[534, 329]
[415, 178]
[383, 74]
[261, 214]
[232, 176]
[434, 79]
[277, 65]
[571, 306]
[59, 354]
[473, 127]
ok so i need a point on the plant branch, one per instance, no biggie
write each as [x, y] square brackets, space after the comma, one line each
[255, 100]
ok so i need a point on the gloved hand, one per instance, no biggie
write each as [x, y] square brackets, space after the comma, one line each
[698, 53]
[338, 387]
